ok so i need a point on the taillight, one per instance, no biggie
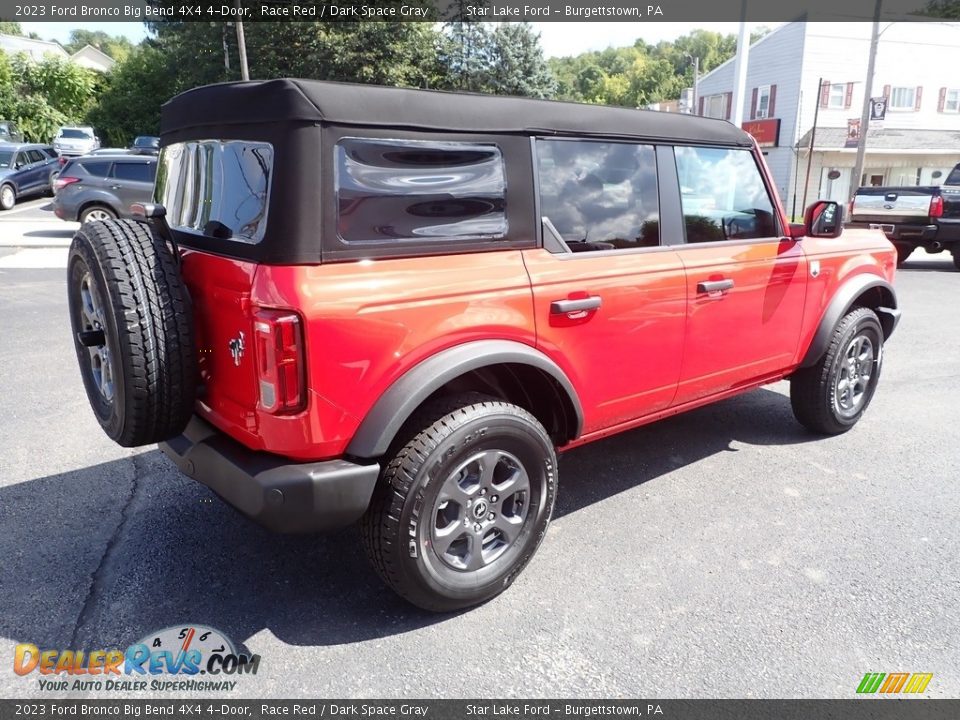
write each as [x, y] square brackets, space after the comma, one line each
[936, 206]
[278, 339]
[62, 160]
[61, 182]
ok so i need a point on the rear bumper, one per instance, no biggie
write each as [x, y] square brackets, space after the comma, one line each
[282, 496]
[901, 232]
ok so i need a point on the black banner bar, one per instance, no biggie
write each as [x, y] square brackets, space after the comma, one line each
[874, 708]
[479, 10]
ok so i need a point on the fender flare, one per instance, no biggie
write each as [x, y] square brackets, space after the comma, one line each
[400, 400]
[842, 301]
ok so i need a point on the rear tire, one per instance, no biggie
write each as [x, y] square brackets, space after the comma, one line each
[133, 331]
[8, 197]
[956, 258]
[903, 252]
[97, 213]
[831, 396]
[463, 505]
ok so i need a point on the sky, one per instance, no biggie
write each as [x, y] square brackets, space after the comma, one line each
[556, 38]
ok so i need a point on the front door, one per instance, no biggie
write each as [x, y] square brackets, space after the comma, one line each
[745, 283]
[609, 299]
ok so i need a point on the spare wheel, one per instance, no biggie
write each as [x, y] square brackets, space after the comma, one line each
[133, 331]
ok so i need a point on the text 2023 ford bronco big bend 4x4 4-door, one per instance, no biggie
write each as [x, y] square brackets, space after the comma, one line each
[392, 306]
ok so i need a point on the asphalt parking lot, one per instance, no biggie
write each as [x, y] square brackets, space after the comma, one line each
[723, 553]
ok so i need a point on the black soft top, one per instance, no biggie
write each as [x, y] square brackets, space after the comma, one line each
[312, 101]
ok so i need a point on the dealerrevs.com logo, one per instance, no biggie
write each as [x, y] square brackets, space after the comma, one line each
[182, 658]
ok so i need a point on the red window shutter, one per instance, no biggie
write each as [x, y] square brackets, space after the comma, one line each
[942, 102]
[916, 102]
[753, 104]
[729, 97]
[825, 94]
[848, 98]
[700, 108]
[886, 92]
[771, 106]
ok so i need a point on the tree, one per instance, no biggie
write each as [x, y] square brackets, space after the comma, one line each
[130, 104]
[116, 46]
[518, 64]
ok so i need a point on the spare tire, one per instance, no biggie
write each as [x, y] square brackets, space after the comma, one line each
[133, 331]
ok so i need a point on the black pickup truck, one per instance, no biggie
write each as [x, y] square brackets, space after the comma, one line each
[912, 217]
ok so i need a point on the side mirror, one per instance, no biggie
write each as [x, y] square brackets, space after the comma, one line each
[824, 219]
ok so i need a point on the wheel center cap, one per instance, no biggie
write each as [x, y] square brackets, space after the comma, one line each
[480, 509]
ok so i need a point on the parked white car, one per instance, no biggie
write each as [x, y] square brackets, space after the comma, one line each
[72, 141]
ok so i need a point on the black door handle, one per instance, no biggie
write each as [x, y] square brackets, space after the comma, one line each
[562, 307]
[712, 286]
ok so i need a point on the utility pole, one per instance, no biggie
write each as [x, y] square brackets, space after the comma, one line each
[813, 137]
[696, 81]
[867, 92]
[740, 67]
[242, 43]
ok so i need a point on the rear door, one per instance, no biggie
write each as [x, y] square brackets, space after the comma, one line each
[609, 298]
[746, 283]
[132, 182]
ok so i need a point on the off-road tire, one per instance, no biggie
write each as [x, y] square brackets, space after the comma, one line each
[903, 252]
[8, 197]
[147, 330]
[814, 392]
[438, 439]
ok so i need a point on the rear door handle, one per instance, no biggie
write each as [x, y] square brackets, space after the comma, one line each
[563, 307]
[712, 286]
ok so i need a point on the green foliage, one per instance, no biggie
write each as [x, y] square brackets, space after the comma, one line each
[41, 96]
[641, 74]
[10, 28]
[942, 9]
[518, 64]
[116, 46]
[130, 103]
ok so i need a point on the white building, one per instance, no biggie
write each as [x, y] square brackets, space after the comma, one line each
[90, 57]
[919, 140]
[36, 49]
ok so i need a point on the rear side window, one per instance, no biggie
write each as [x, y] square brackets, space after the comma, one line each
[723, 195]
[600, 195]
[140, 172]
[96, 168]
[50, 152]
[34, 156]
[218, 188]
[419, 190]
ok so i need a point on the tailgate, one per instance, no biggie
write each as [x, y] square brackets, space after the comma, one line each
[892, 205]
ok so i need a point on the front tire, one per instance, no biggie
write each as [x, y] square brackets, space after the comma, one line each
[463, 505]
[903, 252]
[831, 396]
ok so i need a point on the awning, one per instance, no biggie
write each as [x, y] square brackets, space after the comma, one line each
[888, 141]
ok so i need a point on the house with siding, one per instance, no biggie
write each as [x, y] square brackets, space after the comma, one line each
[806, 71]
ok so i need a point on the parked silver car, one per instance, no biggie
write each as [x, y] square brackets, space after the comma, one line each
[75, 141]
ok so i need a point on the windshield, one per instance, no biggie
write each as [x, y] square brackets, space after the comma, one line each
[6, 157]
[74, 134]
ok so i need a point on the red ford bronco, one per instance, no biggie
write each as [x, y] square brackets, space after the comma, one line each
[392, 306]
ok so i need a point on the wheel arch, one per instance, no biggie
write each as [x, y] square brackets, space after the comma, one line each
[867, 291]
[507, 369]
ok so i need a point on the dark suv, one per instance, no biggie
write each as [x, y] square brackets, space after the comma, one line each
[353, 303]
[25, 169]
[103, 187]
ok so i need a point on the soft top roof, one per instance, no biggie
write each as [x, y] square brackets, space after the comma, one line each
[285, 100]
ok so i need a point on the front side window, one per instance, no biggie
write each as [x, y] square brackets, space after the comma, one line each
[903, 98]
[599, 195]
[723, 195]
[217, 188]
[419, 190]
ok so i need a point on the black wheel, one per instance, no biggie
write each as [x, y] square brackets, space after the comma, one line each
[97, 213]
[903, 252]
[133, 331]
[956, 258]
[8, 197]
[463, 505]
[831, 396]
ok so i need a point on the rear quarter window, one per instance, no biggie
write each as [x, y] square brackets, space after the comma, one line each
[95, 168]
[217, 188]
[422, 191]
[137, 171]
